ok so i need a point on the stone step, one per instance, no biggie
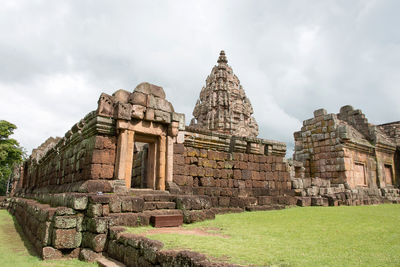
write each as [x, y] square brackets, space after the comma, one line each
[146, 191]
[265, 207]
[156, 205]
[162, 198]
[138, 219]
[108, 262]
[162, 212]
[169, 220]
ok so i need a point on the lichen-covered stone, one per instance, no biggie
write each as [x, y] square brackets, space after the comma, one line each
[66, 238]
[50, 253]
[65, 222]
[89, 255]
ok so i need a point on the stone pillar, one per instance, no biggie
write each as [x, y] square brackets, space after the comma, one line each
[124, 159]
[161, 163]
[170, 159]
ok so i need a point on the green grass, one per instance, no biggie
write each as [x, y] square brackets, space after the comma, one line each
[312, 236]
[15, 250]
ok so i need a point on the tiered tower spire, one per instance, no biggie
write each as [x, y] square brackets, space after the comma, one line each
[223, 105]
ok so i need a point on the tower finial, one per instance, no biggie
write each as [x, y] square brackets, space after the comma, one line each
[222, 57]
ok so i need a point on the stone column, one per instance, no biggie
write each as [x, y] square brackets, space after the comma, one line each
[170, 158]
[161, 168]
[124, 159]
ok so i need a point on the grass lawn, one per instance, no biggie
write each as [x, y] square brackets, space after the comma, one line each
[15, 250]
[311, 236]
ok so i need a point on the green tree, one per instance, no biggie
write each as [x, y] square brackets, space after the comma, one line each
[10, 153]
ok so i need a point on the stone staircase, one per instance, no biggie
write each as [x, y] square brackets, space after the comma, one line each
[155, 199]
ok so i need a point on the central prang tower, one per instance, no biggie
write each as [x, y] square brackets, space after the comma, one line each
[223, 105]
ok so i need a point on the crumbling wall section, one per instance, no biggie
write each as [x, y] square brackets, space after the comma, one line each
[86, 152]
[344, 148]
[318, 147]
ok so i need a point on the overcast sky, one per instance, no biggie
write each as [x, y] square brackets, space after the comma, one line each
[292, 57]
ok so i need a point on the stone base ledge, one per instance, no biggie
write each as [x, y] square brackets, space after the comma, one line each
[88, 186]
[136, 250]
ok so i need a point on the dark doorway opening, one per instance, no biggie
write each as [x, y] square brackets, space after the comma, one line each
[144, 162]
[397, 167]
[139, 165]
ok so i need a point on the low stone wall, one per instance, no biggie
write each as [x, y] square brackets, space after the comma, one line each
[58, 225]
[54, 232]
[135, 250]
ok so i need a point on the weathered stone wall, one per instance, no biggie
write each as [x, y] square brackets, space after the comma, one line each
[230, 169]
[62, 224]
[393, 131]
[86, 152]
[386, 159]
[318, 147]
[353, 157]
[134, 250]
[55, 232]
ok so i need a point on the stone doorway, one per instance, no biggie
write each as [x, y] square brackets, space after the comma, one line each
[144, 162]
[159, 153]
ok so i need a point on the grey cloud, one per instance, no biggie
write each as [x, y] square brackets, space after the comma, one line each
[292, 57]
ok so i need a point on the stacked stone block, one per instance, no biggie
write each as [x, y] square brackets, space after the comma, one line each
[209, 165]
[69, 222]
[326, 145]
[343, 157]
[318, 146]
[392, 130]
[134, 250]
[85, 153]
[55, 232]
[147, 102]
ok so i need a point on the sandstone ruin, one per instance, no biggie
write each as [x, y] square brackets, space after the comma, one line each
[134, 158]
[348, 155]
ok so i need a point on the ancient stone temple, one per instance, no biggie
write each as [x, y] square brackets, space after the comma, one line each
[133, 161]
[223, 106]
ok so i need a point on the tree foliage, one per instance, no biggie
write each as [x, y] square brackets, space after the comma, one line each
[10, 153]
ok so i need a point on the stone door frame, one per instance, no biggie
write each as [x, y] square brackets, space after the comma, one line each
[160, 151]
